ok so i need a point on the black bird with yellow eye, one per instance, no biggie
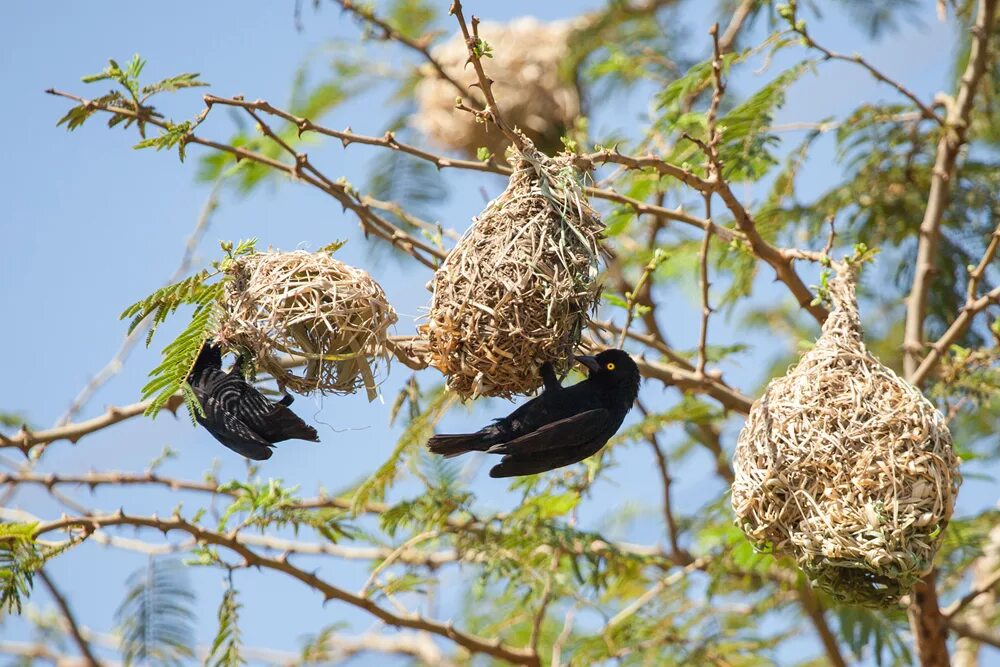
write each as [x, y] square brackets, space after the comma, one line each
[561, 426]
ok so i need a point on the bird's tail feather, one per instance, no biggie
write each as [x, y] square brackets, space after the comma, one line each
[284, 424]
[449, 445]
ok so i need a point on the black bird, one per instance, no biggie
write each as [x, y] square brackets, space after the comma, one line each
[561, 426]
[239, 416]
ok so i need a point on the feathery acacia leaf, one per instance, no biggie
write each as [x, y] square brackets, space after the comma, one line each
[156, 618]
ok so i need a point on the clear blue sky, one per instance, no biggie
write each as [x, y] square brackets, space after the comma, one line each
[88, 225]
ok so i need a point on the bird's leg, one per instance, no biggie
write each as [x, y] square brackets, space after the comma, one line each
[549, 379]
[245, 367]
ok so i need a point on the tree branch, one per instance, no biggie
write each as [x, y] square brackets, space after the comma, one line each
[953, 138]
[74, 629]
[473, 643]
[814, 610]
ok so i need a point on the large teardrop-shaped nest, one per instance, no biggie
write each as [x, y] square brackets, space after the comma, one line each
[516, 290]
[846, 467]
[527, 70]
[331, 316]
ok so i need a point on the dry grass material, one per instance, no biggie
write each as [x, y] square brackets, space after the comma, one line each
[315, 308]
[516, 290]
[846, 467]
[535, 95]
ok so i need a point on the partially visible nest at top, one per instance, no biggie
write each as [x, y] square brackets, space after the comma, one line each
[527, 66]
[316, 309]
[516, 290]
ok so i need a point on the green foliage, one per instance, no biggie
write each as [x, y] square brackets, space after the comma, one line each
[129, 103]
[156, 617]
[747, 146]
[175, 135]
[20, 558]
[170, 376]
[878, 635]
[225, 650]
[412, 18]
[271, 505]
[12, 419]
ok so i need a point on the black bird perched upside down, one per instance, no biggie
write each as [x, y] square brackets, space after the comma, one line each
[563, 425]
[239, 416]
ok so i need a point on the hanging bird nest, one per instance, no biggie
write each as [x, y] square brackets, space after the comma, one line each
[846, 467]
[537, 96]
[333, 317]
[516, 289]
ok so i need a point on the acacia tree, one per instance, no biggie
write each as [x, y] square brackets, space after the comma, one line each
[918, 182]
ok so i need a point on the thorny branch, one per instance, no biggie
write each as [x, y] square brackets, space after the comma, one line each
[473, 643]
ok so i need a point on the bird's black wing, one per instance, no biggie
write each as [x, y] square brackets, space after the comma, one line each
[530, 464]
[273, 421]
[563, 433]
[221, 421]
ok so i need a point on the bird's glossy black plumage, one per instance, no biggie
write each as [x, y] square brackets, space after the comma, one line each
[239, 416]
[561, 426]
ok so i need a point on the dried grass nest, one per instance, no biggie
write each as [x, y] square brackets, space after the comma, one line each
[526, 67]
[516, 290]
[313, 307]
[846, 467]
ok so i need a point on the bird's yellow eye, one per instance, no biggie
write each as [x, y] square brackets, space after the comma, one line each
[610, 367]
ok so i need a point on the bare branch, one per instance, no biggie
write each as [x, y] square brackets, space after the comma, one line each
[491, 111]
[74, 629]
[814, 610]
[925, 111]
[474, 644]
[390, 33]
[25, 439]
[953, 138]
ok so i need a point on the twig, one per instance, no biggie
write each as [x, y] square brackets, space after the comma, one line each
[26, 439]
[706, 309]
[630, 297]
[957, 328]
[669, 521]
[491, 111]
[74, 629]
[965, 630]
[799, 28]
[652, 592]
[543, 606]
[342, 192]
[563, 637]
[953, 138]
[814, 610]
[982, 588]
[390, 33]
[736, 22]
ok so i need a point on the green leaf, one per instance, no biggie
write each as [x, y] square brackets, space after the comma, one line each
[225, 650]
[20, 558]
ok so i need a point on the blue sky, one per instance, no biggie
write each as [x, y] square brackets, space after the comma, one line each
[89, 225]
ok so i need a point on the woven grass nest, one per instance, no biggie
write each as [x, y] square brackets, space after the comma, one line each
[526, 66]
[516, 290]
[313, 307]
[846, 467]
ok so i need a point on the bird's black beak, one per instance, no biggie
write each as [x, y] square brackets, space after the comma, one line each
[589, 361]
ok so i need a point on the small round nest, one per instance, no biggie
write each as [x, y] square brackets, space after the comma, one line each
[516, 290]
[535, 95]
[316, 309]
[846, 467]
